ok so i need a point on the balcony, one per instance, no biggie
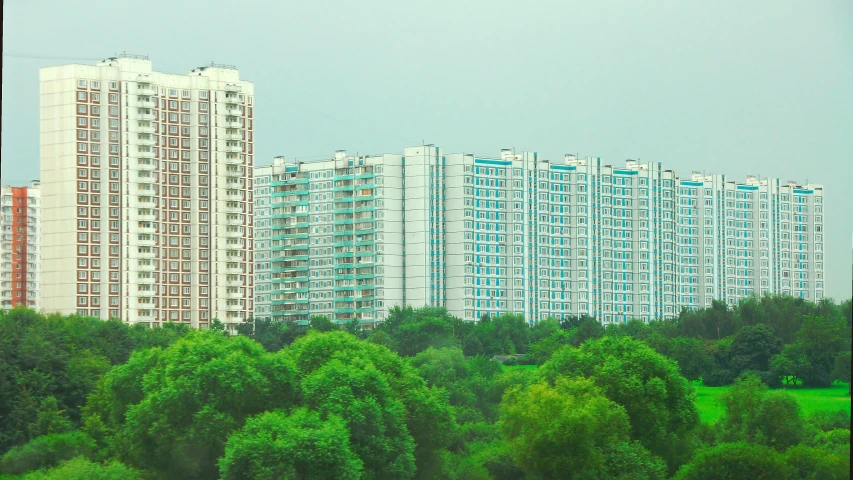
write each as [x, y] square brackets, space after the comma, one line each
[234, 222]
[146, 255]
[233, 87]
[145, 140]
[145, 154]
[234, 308]
[145, 89]
[233, 136]
[145, 242]
[146, 217]
[145, 202]
[234, 210]
[234, 197]
[233, 112]
[145, 179]
[146, 267]
[233, 234]
[234, 283]
[144, 304]
[145, 115]
[145, 229]
[233, 172]
[232, 124]
[233, 148]
[145, 165]
[235, 160]
[234, 271]
[146, 103]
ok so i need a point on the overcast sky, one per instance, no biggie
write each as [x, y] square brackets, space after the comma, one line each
[757, 87]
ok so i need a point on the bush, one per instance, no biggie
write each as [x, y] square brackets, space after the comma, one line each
[511, 362]
[825, 420]
[718, 378]
[768, 378]
[527, 359]
[46, 451]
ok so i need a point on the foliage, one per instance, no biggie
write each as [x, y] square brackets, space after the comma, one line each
[425, 410]
[810, 463]
[734, 461]
[63, 357]
[570, 426]
[658, 400]
[755, 415]
[45, 452]
[303, 445]
[171, 411]
[80, 468]
[470, 384]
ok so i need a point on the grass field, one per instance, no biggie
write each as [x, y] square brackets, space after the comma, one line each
[506, 368]
[811, 400]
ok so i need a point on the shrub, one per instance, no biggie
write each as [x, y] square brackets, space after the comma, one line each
[46, 451]
[718, 378]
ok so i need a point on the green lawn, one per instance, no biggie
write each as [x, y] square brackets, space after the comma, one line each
[507, 368]
[811, 399]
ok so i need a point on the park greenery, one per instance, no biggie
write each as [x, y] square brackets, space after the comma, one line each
[425, 395]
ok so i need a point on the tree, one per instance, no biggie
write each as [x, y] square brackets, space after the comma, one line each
[360, 395]
[51, 419]
[552, 430]
[321, 323]
[821, 340]
[755, 415]
[470, 384]
[732, 461]
[45, 452]
[302, 445]
[171, 411]
[752, 348]
[542, 350]
[841, 370]
[82, 469]
[415, 337]
[659, 402]
[428, 416]
[810, 463]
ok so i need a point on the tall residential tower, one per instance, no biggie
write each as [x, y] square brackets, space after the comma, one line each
[147, 192]
[20, 246]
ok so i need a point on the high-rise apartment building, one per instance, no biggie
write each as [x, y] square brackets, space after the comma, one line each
[20, 247]
[147, 192]
[325, 247]
[484, 236]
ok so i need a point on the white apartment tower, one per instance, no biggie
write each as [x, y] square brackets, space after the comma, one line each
[147, 192]
[20, 246]
[519, 234]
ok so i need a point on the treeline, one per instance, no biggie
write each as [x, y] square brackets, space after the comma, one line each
[782, 340]
[417, 398]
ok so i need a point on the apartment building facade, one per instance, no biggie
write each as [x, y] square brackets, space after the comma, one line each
[147, 181]
[516, 233]
[20, 247]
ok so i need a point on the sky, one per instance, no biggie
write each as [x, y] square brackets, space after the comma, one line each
[763, 87]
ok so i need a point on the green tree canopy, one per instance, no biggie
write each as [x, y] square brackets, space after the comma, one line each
[569, 429]
[274, 445]
[736, 461]
[659, 402]
[171, 411]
